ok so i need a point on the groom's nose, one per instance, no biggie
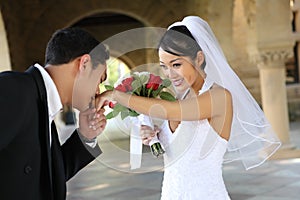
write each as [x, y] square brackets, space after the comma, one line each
[103, 77]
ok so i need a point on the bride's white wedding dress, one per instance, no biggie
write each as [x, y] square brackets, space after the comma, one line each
[193, 162]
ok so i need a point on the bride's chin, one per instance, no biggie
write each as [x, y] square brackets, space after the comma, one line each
[181, 90]
[181, 87]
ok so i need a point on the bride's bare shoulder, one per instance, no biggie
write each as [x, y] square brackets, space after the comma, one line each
[220, 90]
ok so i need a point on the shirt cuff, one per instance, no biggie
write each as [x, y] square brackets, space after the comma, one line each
[90, 142]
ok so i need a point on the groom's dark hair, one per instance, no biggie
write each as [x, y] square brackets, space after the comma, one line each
[69, 43]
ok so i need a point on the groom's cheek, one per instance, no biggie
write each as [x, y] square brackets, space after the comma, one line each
[97, 101]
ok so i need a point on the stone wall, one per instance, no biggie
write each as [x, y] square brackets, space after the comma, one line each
[29, 25]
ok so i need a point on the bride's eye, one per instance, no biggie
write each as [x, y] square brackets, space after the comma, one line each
[163, 67]
[177, 65]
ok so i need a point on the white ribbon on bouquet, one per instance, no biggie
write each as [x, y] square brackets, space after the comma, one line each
[136, 144]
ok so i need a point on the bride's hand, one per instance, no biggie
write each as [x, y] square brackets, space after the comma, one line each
[147, 134]
[103, 99]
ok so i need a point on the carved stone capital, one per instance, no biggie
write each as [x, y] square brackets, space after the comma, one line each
[277, 55]
[273, 57]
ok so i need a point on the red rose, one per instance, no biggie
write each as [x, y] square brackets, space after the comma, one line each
[154, 86]
[154, 82]
[125, 86]
[127, 83]
[121, 88]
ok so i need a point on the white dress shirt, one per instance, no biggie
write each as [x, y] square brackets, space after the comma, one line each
[54, 102]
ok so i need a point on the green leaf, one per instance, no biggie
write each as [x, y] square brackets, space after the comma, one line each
[112, 114]
[109, 87]
[156, 92]
[149, 92]
[124, 114]
[167, 96]
[132, 113]
[144, 79]
[166, 82]
[143, 91]
[119, 108]
[135, 76]
[136, 84]
[137, 91]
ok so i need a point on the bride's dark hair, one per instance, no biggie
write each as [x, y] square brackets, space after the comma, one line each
[179, 41]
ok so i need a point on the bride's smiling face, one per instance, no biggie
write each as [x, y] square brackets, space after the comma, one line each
[180, 70]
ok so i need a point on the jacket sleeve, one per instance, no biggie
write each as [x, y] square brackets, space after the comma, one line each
[14, 101]
[77, 154]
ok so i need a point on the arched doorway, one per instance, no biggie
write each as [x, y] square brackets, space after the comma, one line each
[116, 69]
[4, 51]
[103, 26]
[116, 128]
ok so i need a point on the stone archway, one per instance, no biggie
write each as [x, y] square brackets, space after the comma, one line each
[35, 28]
[55, 19]
[4, 51]
[107, 25]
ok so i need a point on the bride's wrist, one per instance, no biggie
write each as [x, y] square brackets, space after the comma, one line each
[112, 95]
[120, 97]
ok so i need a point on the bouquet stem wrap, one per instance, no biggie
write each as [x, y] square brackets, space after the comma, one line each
[156, 147]
[136, 145]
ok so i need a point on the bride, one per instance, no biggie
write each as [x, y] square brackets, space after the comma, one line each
[215, 119]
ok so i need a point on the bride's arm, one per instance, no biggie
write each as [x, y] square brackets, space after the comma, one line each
[207, 105]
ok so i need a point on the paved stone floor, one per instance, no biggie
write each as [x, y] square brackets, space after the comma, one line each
[109, 177]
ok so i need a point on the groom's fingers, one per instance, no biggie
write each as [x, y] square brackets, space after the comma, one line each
[99, 125]
[98, 119]
[92, 123]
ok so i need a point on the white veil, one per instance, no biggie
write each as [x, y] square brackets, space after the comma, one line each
[252, 139]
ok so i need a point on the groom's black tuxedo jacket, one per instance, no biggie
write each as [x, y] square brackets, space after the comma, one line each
[29, 168]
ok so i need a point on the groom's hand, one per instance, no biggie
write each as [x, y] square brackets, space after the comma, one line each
[91, 123]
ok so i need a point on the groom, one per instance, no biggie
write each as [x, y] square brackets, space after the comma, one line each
[33, 164]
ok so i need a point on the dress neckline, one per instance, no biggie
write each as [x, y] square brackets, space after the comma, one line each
[207, 84]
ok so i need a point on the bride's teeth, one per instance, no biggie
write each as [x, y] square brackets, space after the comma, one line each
[177, 82]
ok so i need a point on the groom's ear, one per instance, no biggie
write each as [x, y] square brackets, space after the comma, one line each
[84, 60]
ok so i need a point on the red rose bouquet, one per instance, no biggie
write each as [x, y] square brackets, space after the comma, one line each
[141, 84]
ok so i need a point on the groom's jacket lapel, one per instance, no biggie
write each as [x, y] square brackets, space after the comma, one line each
[44, 120]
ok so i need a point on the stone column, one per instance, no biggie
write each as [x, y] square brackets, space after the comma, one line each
[273, 90]
[4, 53]
[296, 9]
[274, 45]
